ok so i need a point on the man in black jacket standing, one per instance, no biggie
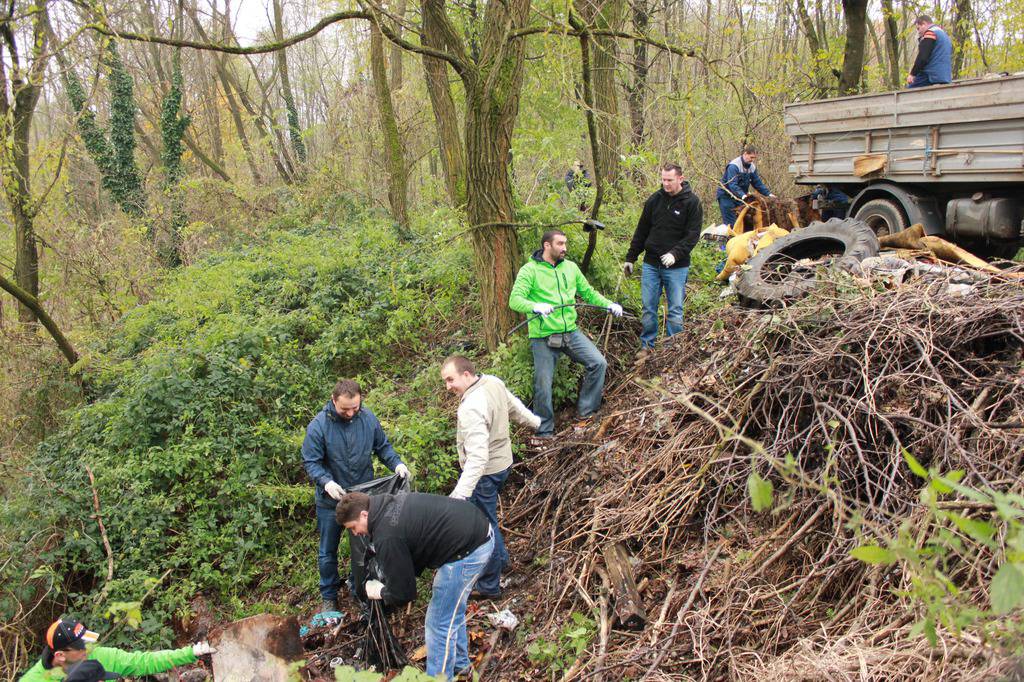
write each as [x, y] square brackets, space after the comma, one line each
[667, 231]
[415, 531]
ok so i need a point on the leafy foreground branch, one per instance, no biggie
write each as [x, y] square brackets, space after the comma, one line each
[881, 430]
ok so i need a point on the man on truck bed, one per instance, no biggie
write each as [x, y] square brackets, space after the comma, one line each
[739, 175]
[934, 63]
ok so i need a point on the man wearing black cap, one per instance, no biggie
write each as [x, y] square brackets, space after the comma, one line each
[67, 644]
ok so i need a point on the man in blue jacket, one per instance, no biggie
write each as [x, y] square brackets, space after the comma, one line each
[739, 175]
[934, 62]
[337, 455]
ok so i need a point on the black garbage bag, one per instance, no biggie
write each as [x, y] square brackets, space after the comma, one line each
[381, 649]
[360, 545]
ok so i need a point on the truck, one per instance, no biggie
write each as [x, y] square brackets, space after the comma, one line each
[950, 157]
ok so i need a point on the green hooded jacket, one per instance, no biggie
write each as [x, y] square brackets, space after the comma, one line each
[124, 663]
[541, 282]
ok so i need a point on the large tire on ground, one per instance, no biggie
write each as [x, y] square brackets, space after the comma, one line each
[884, 216]
[772, 280]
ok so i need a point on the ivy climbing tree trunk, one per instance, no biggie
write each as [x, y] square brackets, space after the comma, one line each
[172, 130]
[398, 174]
[856, 14]
[113, 152]
[19, 94]
[294, 130]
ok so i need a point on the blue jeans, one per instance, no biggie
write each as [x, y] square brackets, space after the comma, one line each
[327, 558]
[727, 205]
[653, 279]
[445, 627]
[579, 349]
[485, 497]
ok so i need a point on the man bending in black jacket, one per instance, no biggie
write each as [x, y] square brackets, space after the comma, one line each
[667, 231]
[414, 531]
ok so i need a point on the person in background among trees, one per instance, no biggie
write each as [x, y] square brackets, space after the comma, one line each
[485, 453]
[546, 287]
[337, 455]
[934, 62]
[667, 231]
[67, 643]
[411, 533]
[739, 175]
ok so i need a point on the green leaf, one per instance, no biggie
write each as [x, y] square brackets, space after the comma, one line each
[981, 531]
[760, 492]
[914, 465]
[1007, 590]
[873, 554]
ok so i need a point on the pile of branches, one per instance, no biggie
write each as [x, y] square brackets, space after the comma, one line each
[834, 390]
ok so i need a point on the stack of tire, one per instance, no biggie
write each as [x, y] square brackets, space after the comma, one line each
[845, 240]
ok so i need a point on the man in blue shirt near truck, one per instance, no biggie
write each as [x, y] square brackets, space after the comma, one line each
[934, 63]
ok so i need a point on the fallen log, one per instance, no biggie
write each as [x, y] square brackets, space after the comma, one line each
[629, 608]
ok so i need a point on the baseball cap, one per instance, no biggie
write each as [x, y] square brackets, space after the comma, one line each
[63, 634]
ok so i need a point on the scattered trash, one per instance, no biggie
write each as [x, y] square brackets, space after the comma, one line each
[504, 619]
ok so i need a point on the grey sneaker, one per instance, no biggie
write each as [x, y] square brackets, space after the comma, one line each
[328, 605]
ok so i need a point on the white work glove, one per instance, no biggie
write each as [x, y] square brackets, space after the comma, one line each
[771, 195]
[615, 309]
[202, 648]
[543, 309]
[334, 490]
[627, 269]
[403, 471]
[668, 260]
[374, 589]
[455, 496]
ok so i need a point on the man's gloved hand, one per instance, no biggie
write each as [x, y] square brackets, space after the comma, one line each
[615, 309]
[668, 260]
[771, 195]
[334, 490]
[543, 309]
[403, 471]
[202, 648]
[627, 269]
[374, 589]
[455, 496]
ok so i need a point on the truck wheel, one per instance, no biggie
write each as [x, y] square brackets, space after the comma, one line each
[884, 216]
[776, 274]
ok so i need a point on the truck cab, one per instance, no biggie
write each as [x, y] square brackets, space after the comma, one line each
[950, 157]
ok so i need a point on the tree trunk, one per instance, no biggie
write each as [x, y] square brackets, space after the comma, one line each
[855, 12]
[892, 44]
[395, 60]
[637, 92]
[604, 14]
[18, 99]
[962, 19]
[493, 83]
[31, 303]
[294, 131]
[490, 212]
[446, 118]
[398, 173]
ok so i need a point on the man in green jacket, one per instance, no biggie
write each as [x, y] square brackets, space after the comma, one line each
[68, 643]
[547, 286]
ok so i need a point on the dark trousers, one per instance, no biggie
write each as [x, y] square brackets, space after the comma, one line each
[327, 558]
[485, 497]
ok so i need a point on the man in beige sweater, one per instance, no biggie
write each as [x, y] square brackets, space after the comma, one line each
[485, 453]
